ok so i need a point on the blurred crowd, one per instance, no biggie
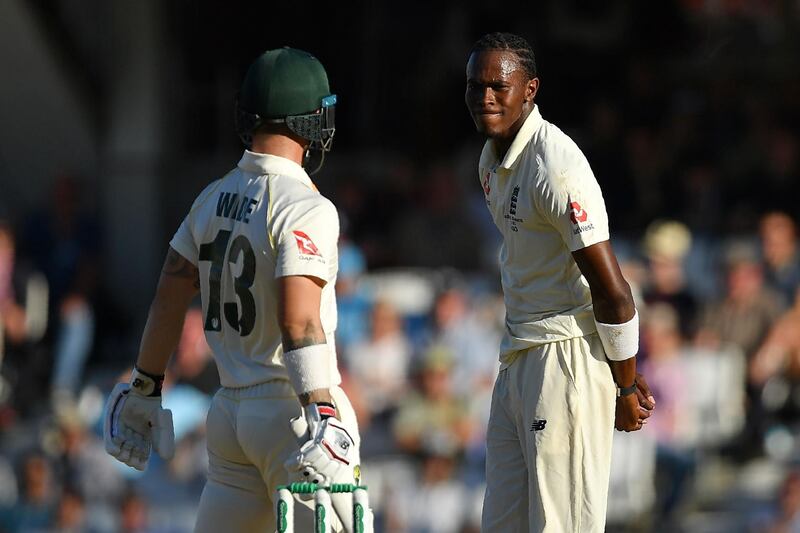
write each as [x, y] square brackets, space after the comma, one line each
[699, 161]
[418, 349]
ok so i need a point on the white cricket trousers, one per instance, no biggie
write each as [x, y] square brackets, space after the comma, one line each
[249, 439]
[549, 440]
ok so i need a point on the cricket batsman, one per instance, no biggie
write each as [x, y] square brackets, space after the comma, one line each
[568, 367]
[260, 246]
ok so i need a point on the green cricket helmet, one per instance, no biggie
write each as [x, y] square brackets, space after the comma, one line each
[288, 86]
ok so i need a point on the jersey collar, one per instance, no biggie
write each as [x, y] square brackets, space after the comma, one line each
[273, 164]
[521, 140]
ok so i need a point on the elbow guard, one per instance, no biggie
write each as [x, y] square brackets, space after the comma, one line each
[621, 341]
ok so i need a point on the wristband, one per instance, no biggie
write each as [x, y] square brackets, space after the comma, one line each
[621, 341]
[145, 383]
[309, 368]
[626, 391]
[326, 410]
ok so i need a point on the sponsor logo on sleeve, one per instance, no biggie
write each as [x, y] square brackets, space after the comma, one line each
[577, 213]
[304, 244]
[579, 218]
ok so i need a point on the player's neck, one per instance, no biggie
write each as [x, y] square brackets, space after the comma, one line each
[279, 145]
[503, 144]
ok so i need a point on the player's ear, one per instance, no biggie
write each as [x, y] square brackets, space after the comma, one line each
[531, 89]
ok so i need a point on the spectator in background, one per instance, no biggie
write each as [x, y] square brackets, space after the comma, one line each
[747, 310]
[193, 363]
[36, 507]
[12, 314]
[785, 518]
[779, 174]
[781, 255]
[133, 514]
[352, 306]
[433, 417]
[468, 331]
[780, 351]
[436, 502]
[23, 318]
[701, 196]
[666, 243]
[742, 318]
[84, 465]
[666, 375]
[380, 363]
[64, 243]
[437, 232]
[777, 361]
[71, 513]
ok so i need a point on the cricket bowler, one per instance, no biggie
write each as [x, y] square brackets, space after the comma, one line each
[568, 367]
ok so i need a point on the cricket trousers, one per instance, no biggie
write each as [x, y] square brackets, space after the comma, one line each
[249, 439]
[549, 440]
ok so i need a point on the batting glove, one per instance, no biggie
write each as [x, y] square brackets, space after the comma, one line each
[135, 422]
[329, 454]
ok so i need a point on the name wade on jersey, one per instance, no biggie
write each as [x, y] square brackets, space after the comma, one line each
[512, 210]
[230, 206]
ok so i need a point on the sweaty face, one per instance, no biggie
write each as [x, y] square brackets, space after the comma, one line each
[498, 93]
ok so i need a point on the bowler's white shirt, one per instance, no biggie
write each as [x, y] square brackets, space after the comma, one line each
[262, 221]
[547, 203]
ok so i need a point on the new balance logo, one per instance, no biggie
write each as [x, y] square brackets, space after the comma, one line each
[538, 424]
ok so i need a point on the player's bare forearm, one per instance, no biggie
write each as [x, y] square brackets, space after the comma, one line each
[624, 372]
[300, 335]
[178, 284]
[300, 324]
[611, 298]
[611, 294]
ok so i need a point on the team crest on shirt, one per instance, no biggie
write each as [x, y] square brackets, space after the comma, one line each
[304, 244]
[579, 217]
[511, 216]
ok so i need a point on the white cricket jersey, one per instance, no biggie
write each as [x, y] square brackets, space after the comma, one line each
[262, 221]
[547, 203]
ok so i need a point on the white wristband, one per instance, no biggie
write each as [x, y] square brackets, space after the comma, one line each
[621, 341]
[309, 368]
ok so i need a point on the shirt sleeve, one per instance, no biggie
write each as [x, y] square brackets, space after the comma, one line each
[183, 241]
[569, 197]
[307, 243]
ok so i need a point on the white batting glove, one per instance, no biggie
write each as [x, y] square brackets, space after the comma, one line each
[329, 454]
[135, 422]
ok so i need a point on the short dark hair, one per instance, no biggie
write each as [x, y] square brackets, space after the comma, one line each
[513, 43]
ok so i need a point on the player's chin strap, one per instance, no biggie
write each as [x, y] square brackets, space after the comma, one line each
[307, 160]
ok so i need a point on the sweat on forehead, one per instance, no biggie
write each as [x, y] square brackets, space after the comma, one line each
[508, 42]
[500, 62]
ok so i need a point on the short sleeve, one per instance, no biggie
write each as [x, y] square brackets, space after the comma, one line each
[183, 242]
[307, 242]
[569, 197]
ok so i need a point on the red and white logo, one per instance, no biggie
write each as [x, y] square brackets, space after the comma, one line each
[305, 244]
[486, 188]
[577, 213]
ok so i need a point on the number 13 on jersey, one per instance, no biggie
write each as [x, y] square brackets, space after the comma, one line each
[216, 252]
